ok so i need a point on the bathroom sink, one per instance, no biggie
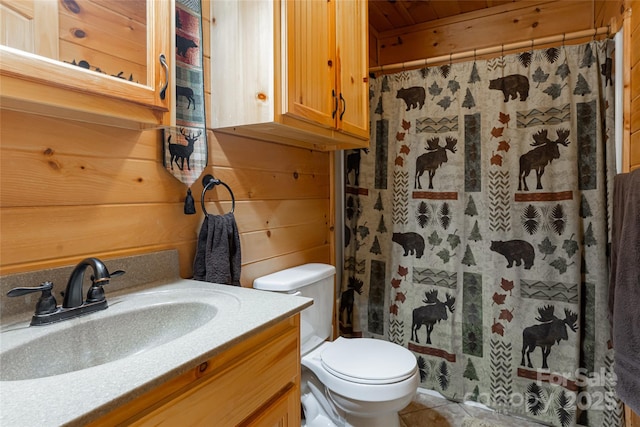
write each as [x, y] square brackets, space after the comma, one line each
[132, 325]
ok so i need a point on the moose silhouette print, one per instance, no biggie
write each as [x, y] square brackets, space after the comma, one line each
[550, 331]
[433, 159]
[544, 152]
[433, 312]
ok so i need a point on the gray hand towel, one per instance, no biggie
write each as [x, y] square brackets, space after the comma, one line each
[217, 257]
[624, 286]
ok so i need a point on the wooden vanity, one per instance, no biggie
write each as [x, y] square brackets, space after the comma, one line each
[256, 382]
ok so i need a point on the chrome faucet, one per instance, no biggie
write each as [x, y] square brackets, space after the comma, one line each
[47, 310]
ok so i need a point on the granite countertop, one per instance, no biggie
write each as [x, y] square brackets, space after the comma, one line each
[79, 397]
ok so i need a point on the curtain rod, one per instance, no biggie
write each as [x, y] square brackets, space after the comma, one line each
[494, 49]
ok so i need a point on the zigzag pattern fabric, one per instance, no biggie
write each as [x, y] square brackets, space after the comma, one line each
[485, 255]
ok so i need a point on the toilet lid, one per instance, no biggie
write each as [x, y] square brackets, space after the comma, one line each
[368, 361]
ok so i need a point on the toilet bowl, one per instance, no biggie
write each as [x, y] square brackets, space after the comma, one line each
[366, 381]
[348, 382]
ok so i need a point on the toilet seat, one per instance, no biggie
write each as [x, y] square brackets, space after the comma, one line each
[368, 361]
[347, 386]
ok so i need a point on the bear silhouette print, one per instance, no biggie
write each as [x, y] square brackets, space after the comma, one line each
[511, 86]
[515, 251]
[412, 243]
[413, 96]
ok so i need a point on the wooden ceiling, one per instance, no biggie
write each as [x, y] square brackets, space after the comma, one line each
[385, 15]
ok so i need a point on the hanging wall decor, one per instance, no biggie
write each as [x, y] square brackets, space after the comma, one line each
[185, 145]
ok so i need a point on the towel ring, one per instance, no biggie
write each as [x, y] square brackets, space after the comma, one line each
[208, 182]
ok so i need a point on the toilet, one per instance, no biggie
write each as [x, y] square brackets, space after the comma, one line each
[348, 382]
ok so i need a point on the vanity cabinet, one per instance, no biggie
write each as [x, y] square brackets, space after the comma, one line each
[293, 72]
[254, 383]
[90, 60]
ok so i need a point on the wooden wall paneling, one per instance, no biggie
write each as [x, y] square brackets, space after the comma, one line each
[233, 151]
[43, 232]
[609, 12]
[100, 29]
[134, 9]
[373, 47]
[515, 22]
[108, 64]
[253, 270]
[50, 179]
[632, 87]
[51, 136]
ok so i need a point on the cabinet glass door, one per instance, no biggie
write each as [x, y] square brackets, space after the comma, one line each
[109, 47]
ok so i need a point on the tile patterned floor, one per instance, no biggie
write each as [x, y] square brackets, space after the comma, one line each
[428, 410]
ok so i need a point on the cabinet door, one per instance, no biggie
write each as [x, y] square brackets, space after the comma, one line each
[27, 25]
[310, 61]
[104, 48]
[283, 411]
[353, 67]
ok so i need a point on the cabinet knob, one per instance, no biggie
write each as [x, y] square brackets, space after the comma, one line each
[330, 63]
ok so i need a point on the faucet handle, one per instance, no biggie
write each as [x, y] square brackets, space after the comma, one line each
[96, 293]
[117, 273]
[46, 304]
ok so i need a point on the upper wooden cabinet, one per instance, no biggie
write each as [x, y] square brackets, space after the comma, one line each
[293, 72]
[91, 60]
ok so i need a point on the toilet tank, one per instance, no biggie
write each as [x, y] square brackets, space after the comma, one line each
[309, 280]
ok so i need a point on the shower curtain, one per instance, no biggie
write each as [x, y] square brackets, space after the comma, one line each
[476, 228]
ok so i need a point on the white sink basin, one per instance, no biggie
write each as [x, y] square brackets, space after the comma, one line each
[132, 324]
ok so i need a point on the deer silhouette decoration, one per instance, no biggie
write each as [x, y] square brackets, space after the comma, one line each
[183, 152]
[433, 312]
[431, 161]
[347, 298]
[550, 331]
[544, 152]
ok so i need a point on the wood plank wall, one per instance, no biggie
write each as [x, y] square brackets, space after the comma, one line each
[634, 149]
[508, 23]
[69, 190]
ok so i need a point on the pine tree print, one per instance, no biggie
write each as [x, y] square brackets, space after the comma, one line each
[375, 247]
[588, 59]
[585, 209]
[474, 77]
[471, 208]
[385, 85]
[468, 258]
[381, 227]
[378, 206]
[470, 371]
[468, 102]
[582, 87]
[475, 233]
[589, 238]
